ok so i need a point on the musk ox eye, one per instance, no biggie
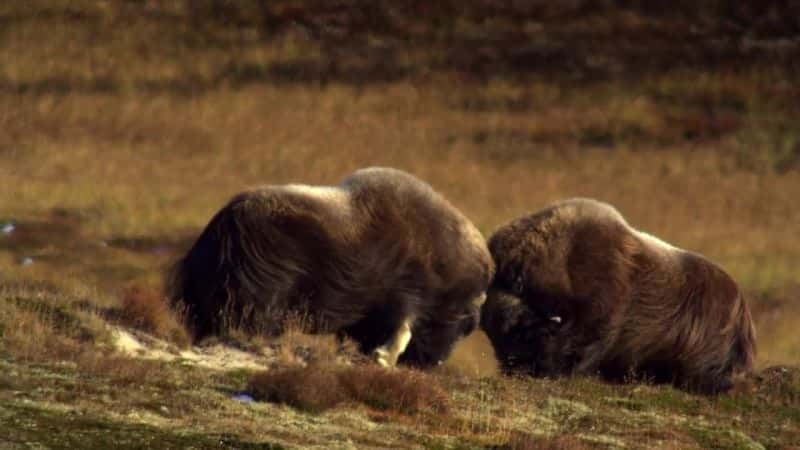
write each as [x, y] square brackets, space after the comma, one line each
[556, 319]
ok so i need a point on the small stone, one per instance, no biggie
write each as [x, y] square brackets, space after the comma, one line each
[26, 261]
[244, 398]
[8, 228]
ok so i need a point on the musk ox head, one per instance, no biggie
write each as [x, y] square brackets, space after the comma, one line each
[381, 258]
[434, 338]
[522, 337]
[578, 290]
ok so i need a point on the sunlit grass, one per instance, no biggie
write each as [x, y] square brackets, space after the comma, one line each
[118, 143]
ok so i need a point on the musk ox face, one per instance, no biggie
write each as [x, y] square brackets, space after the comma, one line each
[381, 258]
[521, 336]
[433, 348]
[579, 291]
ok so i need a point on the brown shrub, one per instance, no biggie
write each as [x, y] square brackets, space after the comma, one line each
[316, 388]
[148, 310]
[403, 390]
[312, 388]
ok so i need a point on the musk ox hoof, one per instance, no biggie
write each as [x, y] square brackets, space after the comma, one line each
[383, 358]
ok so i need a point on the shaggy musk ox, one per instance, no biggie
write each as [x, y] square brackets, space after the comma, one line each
[579, 291]
[381, 258]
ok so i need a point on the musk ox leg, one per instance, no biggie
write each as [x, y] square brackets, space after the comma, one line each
[387, 354]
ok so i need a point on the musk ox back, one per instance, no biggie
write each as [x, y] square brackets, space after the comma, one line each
[381, 258]
[578, 290]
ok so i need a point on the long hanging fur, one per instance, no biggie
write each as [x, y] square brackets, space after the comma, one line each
[354, 259]
[578, 290]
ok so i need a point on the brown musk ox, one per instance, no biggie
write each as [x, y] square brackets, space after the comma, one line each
[381, 258]
[579, 291]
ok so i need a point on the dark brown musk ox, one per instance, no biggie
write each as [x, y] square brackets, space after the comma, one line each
[381, 258]
[579, 291]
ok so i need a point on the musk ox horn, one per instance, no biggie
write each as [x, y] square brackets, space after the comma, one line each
[381, 257]
[599, 296]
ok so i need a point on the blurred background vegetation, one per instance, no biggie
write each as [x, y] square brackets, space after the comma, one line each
[124, 124]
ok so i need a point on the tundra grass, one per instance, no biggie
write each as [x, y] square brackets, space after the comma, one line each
[125, 125]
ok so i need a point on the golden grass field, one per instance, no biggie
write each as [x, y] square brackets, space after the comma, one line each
[124, 125]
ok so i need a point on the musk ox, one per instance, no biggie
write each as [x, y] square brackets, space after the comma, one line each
[579, 291]
[381, 258]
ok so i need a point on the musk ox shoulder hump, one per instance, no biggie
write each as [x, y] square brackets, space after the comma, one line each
[398, 183]
[654, 242]
[385, 182]
[333, 195]
[583, 209]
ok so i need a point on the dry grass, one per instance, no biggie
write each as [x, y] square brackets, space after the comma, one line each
[295, 347]
[42, 323]
[524, 441]
[108, 370]
[317, 388]
[30, 336]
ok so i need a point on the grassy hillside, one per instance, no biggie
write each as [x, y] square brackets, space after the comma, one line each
[124, 125]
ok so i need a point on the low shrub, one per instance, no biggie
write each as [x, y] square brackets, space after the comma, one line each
[317, 387]
[149, 311]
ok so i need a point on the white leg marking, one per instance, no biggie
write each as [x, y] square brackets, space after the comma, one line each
[479, 300]
[387, 354]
